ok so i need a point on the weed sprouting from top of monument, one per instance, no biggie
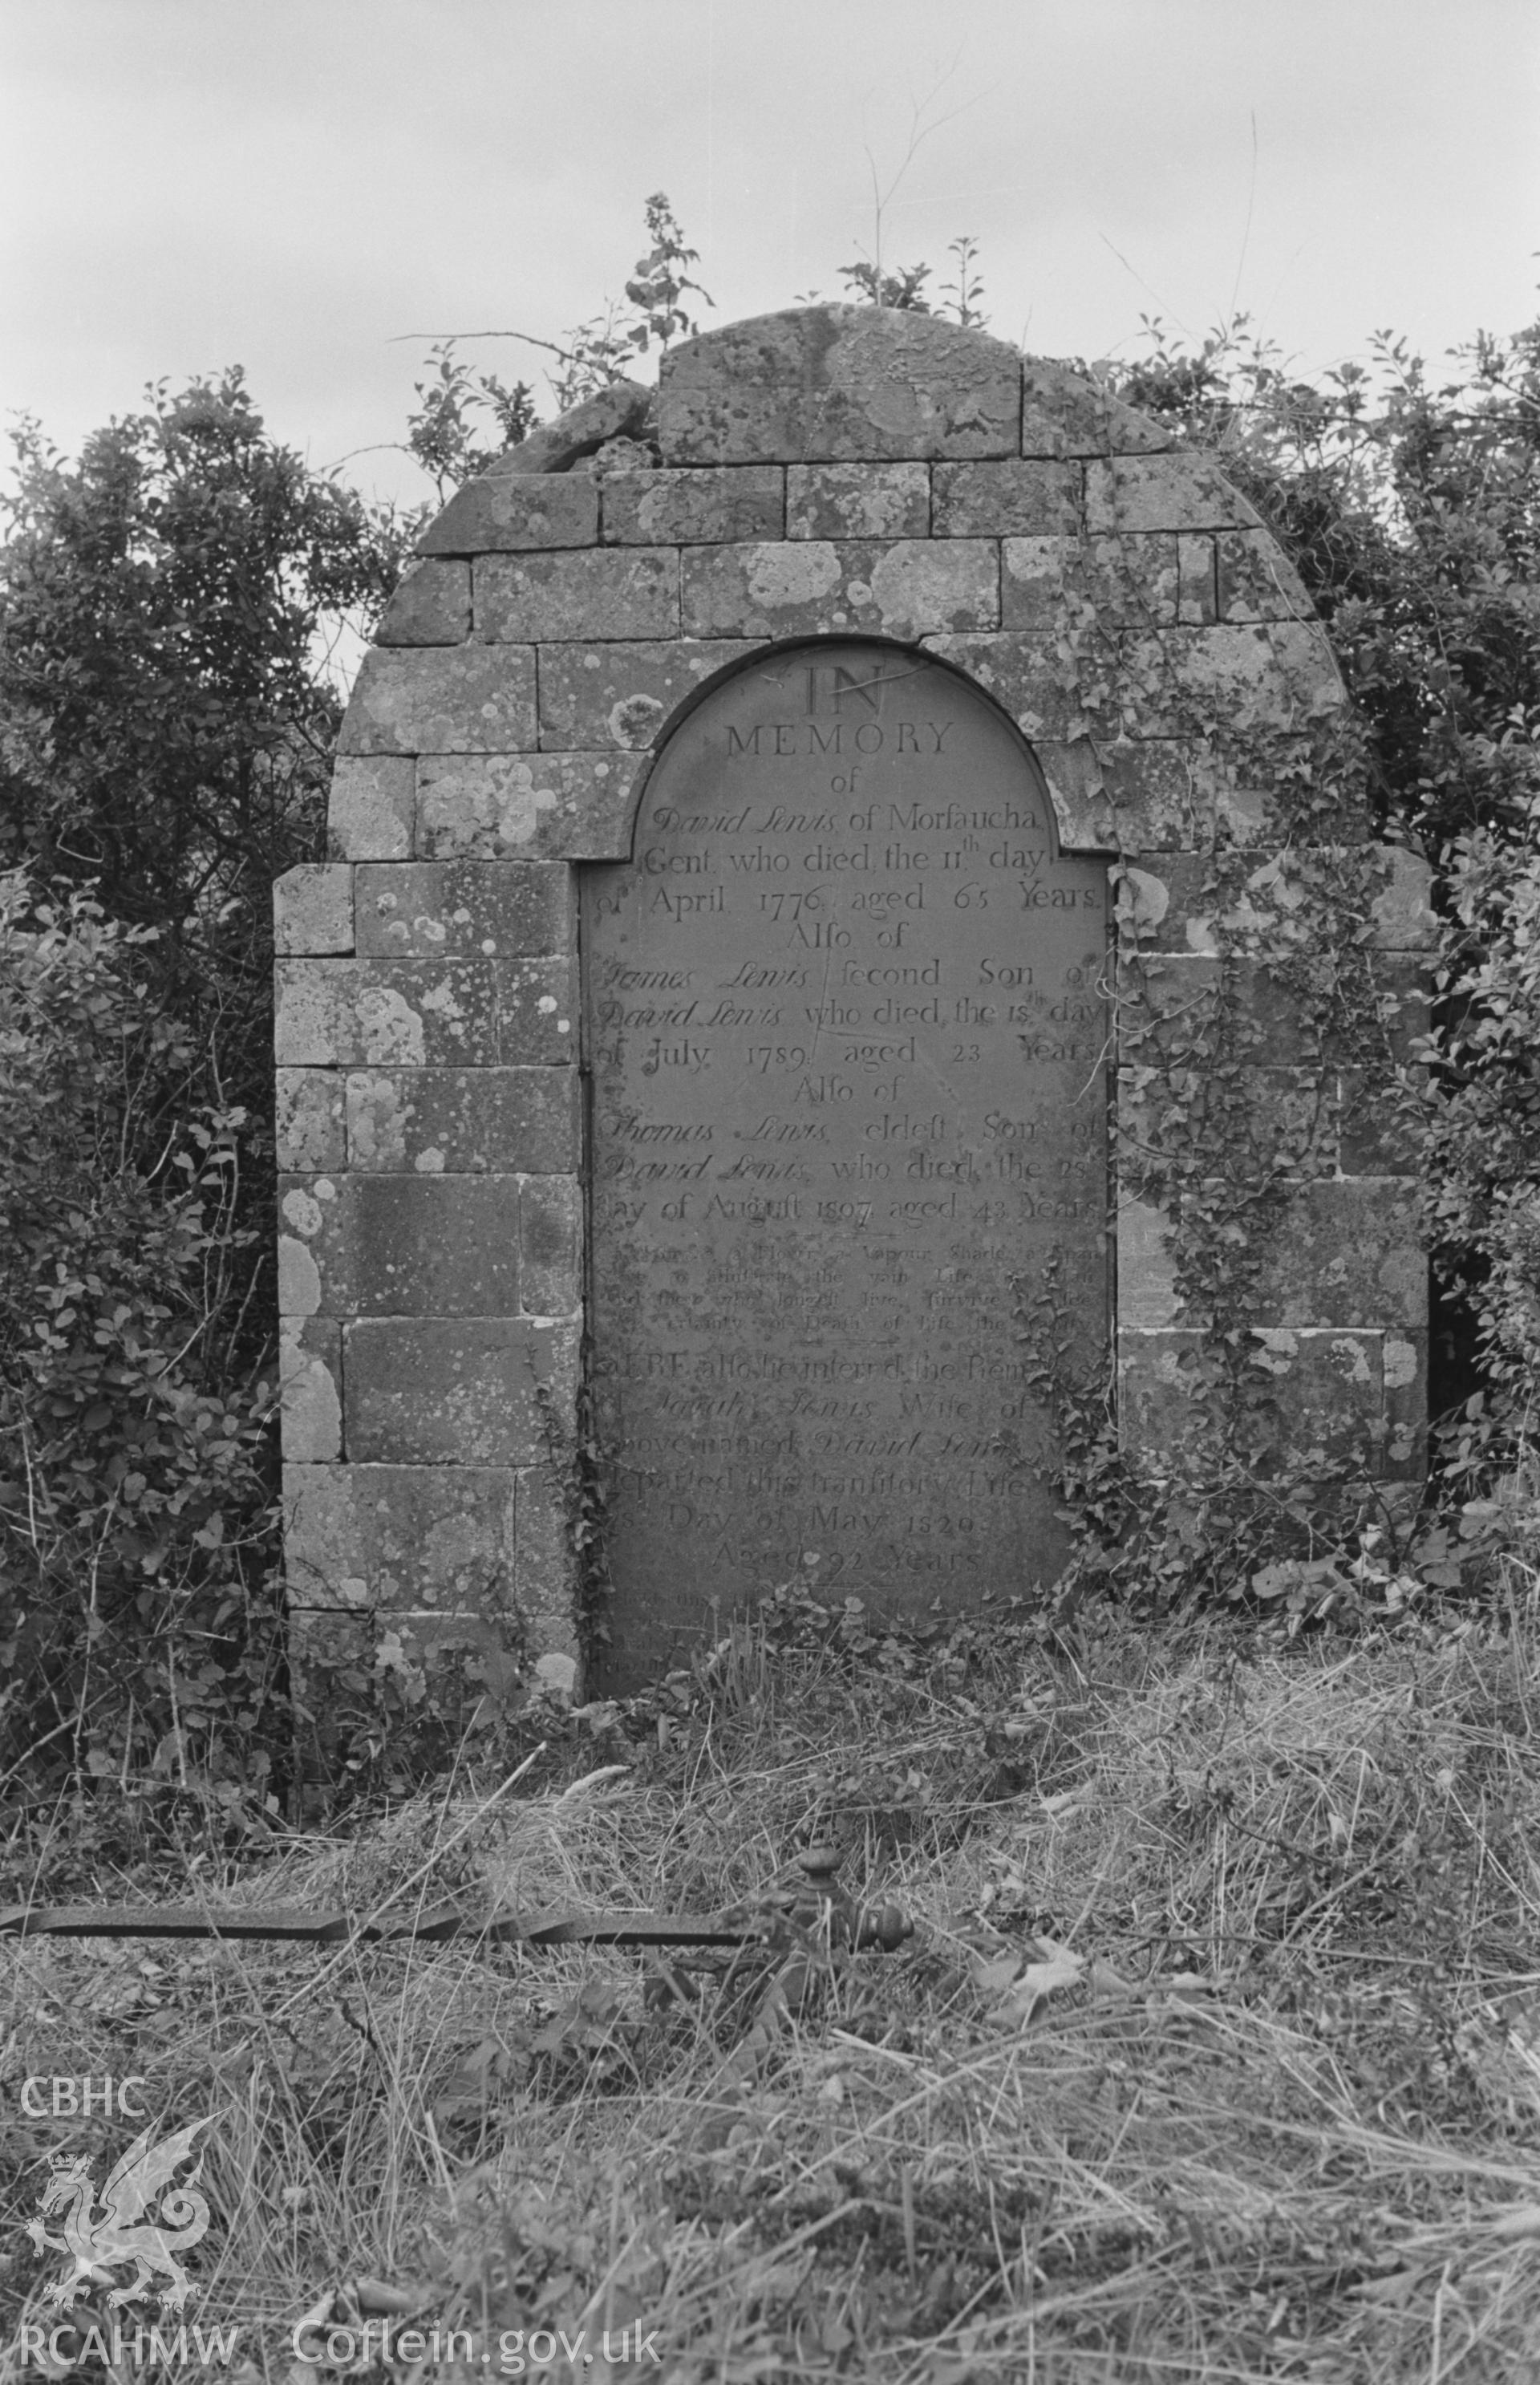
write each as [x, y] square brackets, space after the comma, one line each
[903, 286]
[464, 418]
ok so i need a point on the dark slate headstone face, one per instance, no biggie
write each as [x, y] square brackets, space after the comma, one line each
[846, 1024]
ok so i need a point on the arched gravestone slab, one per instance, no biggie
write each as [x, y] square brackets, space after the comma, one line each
[845, 1027]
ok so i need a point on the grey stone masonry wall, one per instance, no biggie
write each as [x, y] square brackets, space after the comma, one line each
[822, 472]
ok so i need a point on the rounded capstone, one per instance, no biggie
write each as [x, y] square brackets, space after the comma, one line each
[838, 384]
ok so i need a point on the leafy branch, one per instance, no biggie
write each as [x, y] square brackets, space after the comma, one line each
[464, 419]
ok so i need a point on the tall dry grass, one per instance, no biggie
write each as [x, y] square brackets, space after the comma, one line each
[1282, 2122]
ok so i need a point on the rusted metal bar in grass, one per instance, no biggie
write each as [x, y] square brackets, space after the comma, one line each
[168, 1921]
[435, 1926]
[846, 1923]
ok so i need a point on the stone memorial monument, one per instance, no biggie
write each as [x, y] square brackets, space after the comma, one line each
[715, 1016]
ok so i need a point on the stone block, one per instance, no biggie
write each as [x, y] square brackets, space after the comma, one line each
[1374, 1138]
[1170, 997]
[1198, 597]
[441, 1537]
[1167, 1004]
[469, 1663]
[454, 1391]
[551, 1213]
[536, 1012]
[503, 511]
[618, 455]
[843, 501]
[837, 382]
[313, 908]
[1147, 1271]
[1023, 673]
[1342, 1252]
[546, 1573]
[1008, 500]
[426, 1121]
[1404, 1362]
[613, 412]
[331, 1649]
[1403, 918]
[1170, 792]
[1256, 581]
[1147, 794]
[1073, 775]
[1063, 413]
[592, 593]
[1347, 1251]
[399, 1246]
[503, 806]
[331, 1668]
[593, 698]
[299, 1277]
[310, 1399]
[1273, 676]
[1403, 995]
[1174, 492]
[309, 1119]
[1272, 905]
[1291, 1116]
[370, 807]
[1163, 901]
[1266, 908]
[694, 508]
[1156, 1376]
[1326, 1389]
[1130, 581]
[353, 1014]
[420, 1014]
[430, 607]
[402, 1538]
[300, 1289]
[455, 909]
[442, 700]
[324, 1643]
[815, 587]
[324, 1563]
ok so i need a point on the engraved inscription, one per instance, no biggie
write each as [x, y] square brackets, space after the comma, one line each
[845, 1019]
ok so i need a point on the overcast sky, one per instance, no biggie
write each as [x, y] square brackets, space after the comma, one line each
[294, 184]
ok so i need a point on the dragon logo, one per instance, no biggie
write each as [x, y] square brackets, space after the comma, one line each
[98, 2242]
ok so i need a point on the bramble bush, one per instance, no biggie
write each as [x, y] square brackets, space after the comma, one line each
[170, 605]
[136, 1482]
